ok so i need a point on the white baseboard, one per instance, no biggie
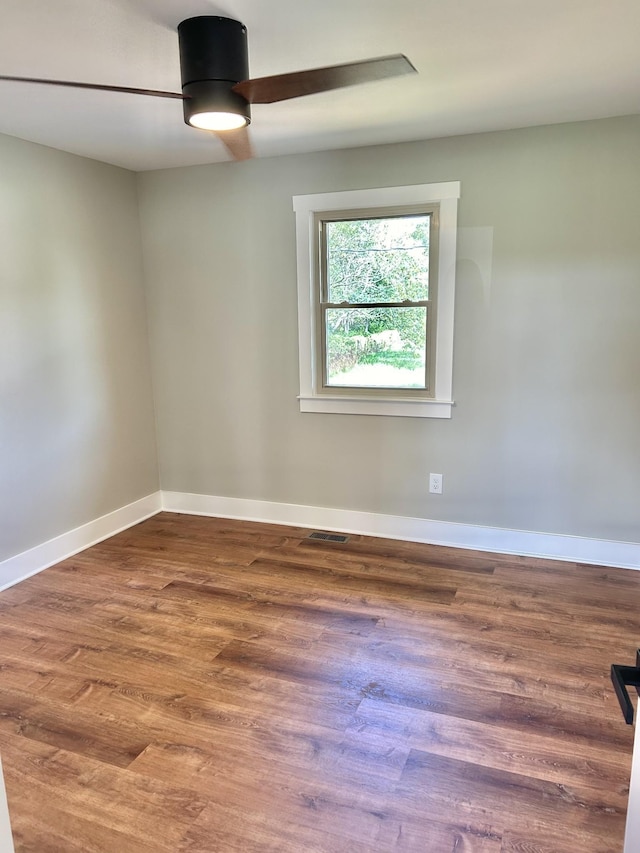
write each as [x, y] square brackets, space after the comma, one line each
[36, 559]
[475, 537]
[525, 543]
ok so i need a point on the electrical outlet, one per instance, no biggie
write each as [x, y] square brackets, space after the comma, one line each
[435, 484]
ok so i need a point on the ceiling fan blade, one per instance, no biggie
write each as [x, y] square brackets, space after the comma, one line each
[281, 87]
[99, 86]
[237, 143]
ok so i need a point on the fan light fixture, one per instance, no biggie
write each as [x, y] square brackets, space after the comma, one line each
[213, 58]
[216, 88]
[217, 121]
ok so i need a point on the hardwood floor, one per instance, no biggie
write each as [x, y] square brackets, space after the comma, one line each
[206, 685]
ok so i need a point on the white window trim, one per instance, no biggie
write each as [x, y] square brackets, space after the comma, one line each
[306, 207]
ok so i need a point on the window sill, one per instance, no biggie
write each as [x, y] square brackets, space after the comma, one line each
[402, 408]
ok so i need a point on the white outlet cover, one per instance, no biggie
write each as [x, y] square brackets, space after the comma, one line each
[435, 484]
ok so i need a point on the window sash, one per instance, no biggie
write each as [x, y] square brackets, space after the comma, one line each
[322, 288]
[333, 386]
[406, 303]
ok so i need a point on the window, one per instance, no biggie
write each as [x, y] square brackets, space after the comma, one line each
[376, 278]
[376, 301]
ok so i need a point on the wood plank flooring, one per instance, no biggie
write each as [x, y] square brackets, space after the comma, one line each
[215, 686]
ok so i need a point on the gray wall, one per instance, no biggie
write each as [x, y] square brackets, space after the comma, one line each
[76, 415]
[544, 435]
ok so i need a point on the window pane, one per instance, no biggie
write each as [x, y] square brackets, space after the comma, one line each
[376, 347]
[378, 260]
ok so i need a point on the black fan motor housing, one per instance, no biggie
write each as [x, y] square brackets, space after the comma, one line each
[214, 57]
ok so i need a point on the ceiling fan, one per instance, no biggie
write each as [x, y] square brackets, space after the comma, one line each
[216, 89]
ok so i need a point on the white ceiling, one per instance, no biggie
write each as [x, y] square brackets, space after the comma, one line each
[483, 65]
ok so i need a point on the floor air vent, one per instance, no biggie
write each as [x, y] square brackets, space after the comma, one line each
[329, 537]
